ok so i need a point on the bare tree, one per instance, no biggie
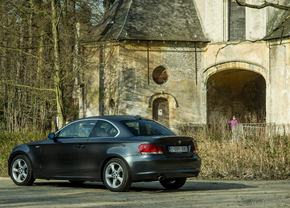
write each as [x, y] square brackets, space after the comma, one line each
[38, 49]
[263, 5]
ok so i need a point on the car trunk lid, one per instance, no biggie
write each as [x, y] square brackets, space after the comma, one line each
[175, 146]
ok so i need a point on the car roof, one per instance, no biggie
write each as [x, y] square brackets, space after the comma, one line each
[115, 117]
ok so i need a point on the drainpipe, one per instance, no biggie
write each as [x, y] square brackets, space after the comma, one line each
[148, 67]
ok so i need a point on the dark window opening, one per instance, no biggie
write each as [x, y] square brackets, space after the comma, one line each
[237, 21]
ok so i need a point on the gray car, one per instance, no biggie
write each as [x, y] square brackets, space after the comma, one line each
[116, 150]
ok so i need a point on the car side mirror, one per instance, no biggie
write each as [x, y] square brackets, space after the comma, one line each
[51, 136]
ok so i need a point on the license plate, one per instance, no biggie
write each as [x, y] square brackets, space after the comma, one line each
[178, 149]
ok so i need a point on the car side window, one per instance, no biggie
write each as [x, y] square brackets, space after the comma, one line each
[146, 128]
[104, 129]
[78, 129]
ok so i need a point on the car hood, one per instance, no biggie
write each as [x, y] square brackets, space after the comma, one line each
[27, 144]
[35, 142]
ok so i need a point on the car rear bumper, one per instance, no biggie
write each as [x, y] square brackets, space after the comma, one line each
[155, 167]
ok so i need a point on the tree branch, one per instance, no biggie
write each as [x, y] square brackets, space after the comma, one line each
[25, 86]
[18, 49]
[264, 5]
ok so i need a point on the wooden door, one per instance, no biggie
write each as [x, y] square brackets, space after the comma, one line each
[161, 111]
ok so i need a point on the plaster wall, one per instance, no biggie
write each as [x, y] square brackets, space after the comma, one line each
[259, 22]
[119, 78]
[279, 86]
[212, 14]
[271, 60]
[256, 23]
[181, 89]
[129, 82]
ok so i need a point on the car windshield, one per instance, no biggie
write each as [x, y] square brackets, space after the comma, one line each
[146, 128]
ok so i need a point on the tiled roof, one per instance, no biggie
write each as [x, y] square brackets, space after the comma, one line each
[281, 31]
[162, 20]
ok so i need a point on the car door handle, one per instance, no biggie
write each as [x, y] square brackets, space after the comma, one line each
[80, 146]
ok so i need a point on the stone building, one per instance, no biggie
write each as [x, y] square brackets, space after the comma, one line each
[189, 62]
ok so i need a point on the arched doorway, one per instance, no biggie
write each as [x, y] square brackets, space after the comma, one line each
[161, 111]
[236, 92]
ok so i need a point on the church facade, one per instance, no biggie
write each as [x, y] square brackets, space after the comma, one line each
[189, 62]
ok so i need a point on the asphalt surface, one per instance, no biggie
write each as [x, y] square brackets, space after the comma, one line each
[195, 193]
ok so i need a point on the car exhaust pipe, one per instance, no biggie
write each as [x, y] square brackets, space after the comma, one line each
[161, 177]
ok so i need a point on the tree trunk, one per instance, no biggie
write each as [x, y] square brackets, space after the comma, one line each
[57, 69]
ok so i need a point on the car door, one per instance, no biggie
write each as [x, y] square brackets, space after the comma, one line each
[65, 155]
[101, 139]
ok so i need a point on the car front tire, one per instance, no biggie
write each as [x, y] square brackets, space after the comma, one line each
[116, 176]
[21, 171]
[173, 183]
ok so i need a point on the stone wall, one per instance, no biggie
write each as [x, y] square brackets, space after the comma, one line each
[128, 80]
[119, 79]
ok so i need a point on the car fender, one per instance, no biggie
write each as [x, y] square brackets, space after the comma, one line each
[13, 155]
[125, 159]
[24, 150]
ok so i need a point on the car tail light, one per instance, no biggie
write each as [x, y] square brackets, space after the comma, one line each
[150, 149]
[195, 149]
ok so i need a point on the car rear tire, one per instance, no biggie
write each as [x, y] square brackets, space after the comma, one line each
[21, 171]
[116, 176]
[175, 183]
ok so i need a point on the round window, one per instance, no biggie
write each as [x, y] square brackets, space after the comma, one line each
[160, 75]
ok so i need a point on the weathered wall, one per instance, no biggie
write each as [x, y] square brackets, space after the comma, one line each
[129, 82]
[234, 59]
[119, 79]
[124, 85]
[271, 60]
[214, 15]
[279, 86]
[181, 89]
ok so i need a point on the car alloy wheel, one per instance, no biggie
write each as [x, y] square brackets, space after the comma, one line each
[21, 171]
[116, 175]
[173, 183]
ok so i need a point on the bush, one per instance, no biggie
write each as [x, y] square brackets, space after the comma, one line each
[253, 157]
[9, 140]
[261, 157]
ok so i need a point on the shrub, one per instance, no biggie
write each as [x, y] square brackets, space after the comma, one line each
[8, 141]
[253, 157]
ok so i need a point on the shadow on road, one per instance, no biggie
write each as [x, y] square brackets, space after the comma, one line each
[190, 185]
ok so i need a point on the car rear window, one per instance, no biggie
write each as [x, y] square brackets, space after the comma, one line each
[146, 128]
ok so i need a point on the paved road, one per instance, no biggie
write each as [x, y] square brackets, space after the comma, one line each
[195, 193]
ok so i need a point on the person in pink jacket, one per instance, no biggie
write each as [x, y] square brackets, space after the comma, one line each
[234, 126]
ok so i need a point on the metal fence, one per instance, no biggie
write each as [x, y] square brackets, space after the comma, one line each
[255, 130]
[244, 130]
